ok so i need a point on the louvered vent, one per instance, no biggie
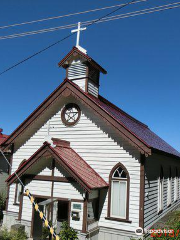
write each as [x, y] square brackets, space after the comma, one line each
[76, 70]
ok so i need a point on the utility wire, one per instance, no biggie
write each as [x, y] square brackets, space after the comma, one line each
[140, 12]
[24, 34]
[86, 23]
[37, 53]
[61, 40]
[66, 15]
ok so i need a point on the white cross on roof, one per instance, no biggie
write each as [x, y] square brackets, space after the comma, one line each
[78, 30]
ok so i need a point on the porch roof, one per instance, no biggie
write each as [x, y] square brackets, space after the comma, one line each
[70, 161]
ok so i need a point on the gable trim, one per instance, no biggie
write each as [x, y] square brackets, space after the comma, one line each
[67, 88]
[88, 58]
[46, 150]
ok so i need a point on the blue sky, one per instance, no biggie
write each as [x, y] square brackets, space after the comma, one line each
[141, 55]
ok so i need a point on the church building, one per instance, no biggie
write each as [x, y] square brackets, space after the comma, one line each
[87, 162]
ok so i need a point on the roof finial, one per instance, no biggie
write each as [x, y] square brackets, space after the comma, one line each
[78, 30]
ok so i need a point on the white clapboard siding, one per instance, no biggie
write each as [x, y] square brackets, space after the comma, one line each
[77, 70]
[81, 83]
[45, 172]
[26, 209]
[57, 173]
[153, 166]
[42, 188]
[67, 190]
[97, 144]
[93, 88]
[11, 206]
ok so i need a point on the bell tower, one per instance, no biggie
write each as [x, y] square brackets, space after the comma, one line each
[81, 69]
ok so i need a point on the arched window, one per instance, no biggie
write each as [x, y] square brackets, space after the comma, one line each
[119, 193]
[176, 192]
[161, 187]
[169, 188]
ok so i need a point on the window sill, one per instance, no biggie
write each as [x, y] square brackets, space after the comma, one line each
[117, 219]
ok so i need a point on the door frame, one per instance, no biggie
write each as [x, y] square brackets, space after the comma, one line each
[69, 207]
[58, 199]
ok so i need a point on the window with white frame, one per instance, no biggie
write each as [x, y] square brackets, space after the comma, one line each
[161, 188]
[169, 193]
[176, 188]
[119, 184]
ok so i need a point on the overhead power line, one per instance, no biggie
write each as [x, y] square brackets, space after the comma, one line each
[66, 15]
[61, 40]
[143, 11]
[86, 23]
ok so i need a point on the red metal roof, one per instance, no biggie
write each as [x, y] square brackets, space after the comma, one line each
[138, 128]
[82, 169]
[78, 168]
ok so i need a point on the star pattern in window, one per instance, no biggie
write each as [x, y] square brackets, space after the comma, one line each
[70, 114]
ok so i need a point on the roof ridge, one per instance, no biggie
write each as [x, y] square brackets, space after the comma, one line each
[119, 109]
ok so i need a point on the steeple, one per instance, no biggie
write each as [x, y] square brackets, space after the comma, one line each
[82, 70]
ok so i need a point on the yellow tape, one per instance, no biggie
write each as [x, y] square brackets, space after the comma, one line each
[41, 215]
[46, 223]
[36, 207]
[27, 192]
[32, 199]
[51, 231]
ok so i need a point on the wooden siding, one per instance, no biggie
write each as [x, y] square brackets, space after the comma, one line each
[93, 88]
[76, 70]
[152, 172]
[11, 206]
[26, 209]
[42, 188]
[96, 143]
[45, 172]
[81, 83]
[67, 190]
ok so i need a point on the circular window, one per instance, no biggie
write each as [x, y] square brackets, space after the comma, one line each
[70, 114]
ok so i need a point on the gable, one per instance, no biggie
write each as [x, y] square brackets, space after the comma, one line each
[65, 157]
[56, 100]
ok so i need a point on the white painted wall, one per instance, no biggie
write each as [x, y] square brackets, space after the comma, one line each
[96, 143]
[152, 169]
[11, 206]
[93, 88]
